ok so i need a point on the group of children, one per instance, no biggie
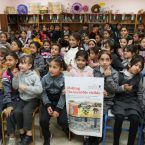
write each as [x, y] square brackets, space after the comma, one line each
[32, 74]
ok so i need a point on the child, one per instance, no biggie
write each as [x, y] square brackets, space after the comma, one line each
[74, 42]
[29, 85]
[64, 44]
[11, 96]
[81, 69]
[127, 100]
[56, 34]
[93, 57]
[91, 43]
[94, 31]
[106, 35]
[98, 40]
[38, 59]
[110, 77]
[66, 30]
[45, 50]
[3, 40]
[23, 39]
[123, 44]
[141, 28]
[16, 46]
[129, 53]
[3, 54]
[53, 98]
[86, 41]
[44, 34]
[116, 62]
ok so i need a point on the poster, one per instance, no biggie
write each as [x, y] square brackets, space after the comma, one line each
[84, 101]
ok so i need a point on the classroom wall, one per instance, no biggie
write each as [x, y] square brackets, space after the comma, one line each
[124, 6]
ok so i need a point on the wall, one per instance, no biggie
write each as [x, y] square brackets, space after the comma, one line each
[124, 6]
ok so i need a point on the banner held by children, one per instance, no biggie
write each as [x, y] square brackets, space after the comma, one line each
[84, 101]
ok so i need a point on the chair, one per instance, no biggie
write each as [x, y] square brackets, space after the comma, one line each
[3, 122]
[110, 116]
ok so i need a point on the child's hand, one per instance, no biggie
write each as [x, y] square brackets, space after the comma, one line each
[127, 87]
[105, 93]
[107, 72]
[69, 67]
[8, 111]
[55, 114]
[22, 87]
[50, 111]
[15, 72]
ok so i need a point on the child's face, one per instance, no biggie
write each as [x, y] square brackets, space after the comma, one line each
[105, 61]
[66, 28]
[141, 27]
[106, 47]
[55, 50]
[143, 43]
[14, 47]
[25, 66]
[123, 43]
[17, 35]
[46, 46]
[106, 35]
[91, 44]
[11, 62]
[54, 69]
[136, 38]
[51, 27]
[81, 62]
[33, 48]
[98, 39]
[23, 35]
[66, 38]
[85, 27]
[86, 39]
[3, 38]
[73, 42]
[124, 32]
[44, 28]
[92, 55]
[135, 69]
[57, 28]
[95, 29]
[128, 54]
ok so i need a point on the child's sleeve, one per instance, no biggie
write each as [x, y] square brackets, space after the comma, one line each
[61, 103]
[41, 65]
[36, 88]
[141, 94]
[112, 82]
[7, 92]
[45, 97]
[15, 82]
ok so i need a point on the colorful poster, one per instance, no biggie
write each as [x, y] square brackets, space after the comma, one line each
[84, 101]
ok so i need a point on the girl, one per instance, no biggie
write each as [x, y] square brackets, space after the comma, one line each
[16, 46]
[91, 43]
[11, 96]
[29, 85]
[3, 40]
[124, 33]
[129, 53]
[98, 40]
[74, 42]
[64, 44]
[116, 62]
[3, 54]
[86, 41]
[23, 39]
[38, 59]
[45, 50]
[93, 57]
[110, 77]
[106, 35]
[44, 34]
[128, 100]
[123, 43]
[53, 98]
[81, 69]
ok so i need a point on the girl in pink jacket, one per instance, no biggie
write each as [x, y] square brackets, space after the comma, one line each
[81, 69]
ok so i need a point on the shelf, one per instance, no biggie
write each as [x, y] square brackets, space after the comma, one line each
[49, 22]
